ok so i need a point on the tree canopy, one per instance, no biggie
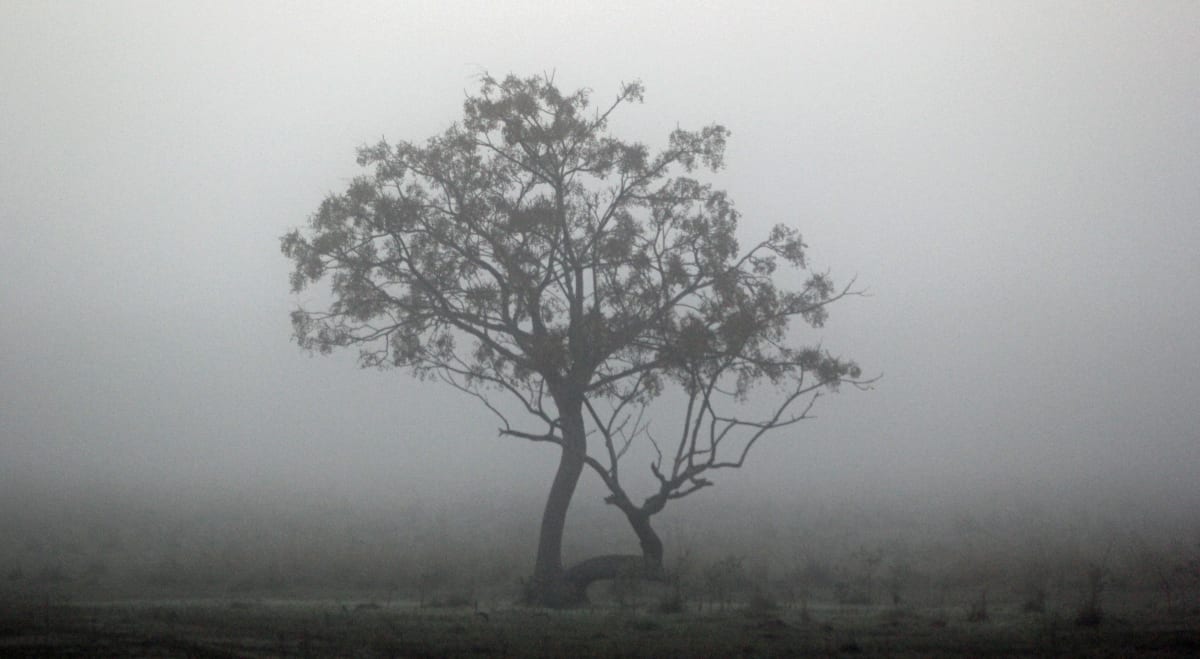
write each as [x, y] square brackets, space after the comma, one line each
[526, 251]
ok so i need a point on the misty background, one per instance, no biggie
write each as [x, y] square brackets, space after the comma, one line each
[1016, 185]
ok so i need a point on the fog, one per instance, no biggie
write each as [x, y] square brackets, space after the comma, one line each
[1015, 185]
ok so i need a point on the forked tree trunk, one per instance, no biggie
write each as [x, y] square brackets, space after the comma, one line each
[553, 586]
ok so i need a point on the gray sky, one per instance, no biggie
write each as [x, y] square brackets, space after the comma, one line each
[1016, 184]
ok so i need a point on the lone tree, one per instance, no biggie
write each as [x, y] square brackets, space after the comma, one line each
[527, 252]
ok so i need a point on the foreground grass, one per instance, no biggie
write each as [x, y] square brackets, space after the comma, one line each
[329, 628]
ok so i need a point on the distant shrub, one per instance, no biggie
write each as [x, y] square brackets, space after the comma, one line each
[626, 588]
[1190, 568]
[643, 624]
[722, 579]
[453, 601]
[51, 574]
[847, 594]
[429, 582]
[681, 581]
[761, 602]
[1035, 578]
[816, 574]
[95, 570]
[869, 560]
[671, 603]
[1091, 613]
[1035, 601]
[978, 611]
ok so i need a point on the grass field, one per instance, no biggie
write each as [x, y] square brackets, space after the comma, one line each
[348, 628]
[103, 579]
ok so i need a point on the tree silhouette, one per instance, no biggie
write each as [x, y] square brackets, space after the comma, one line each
[526, 251]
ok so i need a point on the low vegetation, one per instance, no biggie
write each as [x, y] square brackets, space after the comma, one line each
[220, 628]
[119, 577]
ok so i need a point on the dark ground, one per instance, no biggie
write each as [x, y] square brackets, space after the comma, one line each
[266, 628]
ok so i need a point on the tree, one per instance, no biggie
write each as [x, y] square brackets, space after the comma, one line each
[527, 252]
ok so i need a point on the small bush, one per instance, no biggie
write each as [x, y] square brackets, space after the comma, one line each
[1091, 613]
[626, 588]
[51, 574]
[846, 594]
[1035, 602]
[723, 578]
[761, 602]
[978, 612]
[453, 601]
[672, 603]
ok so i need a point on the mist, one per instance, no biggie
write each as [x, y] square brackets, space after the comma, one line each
[1014, 186]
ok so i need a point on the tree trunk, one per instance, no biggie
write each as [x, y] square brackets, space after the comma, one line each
[652, 548]
[647, 566]
[548, 587]
[553, 586]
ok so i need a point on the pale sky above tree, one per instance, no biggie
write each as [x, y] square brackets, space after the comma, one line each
[1014, 183]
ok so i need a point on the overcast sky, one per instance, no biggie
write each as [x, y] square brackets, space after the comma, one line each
[1017, 184]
